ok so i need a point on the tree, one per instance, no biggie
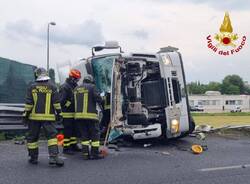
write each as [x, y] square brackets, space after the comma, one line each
[214, 86]
[231, 89]
[196, 88]
[232, 84]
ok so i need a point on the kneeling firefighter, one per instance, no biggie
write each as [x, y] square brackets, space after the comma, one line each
[42, 109]
[86, 98]
[68, 108]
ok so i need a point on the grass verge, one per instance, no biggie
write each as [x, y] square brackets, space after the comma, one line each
[222, 120]
[221, 114]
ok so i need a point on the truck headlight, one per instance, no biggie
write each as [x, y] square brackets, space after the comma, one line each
[175, 125]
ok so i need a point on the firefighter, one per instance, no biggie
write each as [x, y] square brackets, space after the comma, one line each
[67, 103]
[106, 114]
[42, 109]
[86, 98]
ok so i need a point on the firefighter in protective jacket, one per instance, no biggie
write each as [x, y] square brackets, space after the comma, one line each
[86, 98]
[106, 114]
[42, 109]
[67, 103]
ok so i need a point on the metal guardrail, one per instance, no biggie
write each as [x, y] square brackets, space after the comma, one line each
[11, 117]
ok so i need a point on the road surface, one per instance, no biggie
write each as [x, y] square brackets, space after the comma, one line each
[227, 160]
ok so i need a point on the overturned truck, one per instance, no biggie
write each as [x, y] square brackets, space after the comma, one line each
[146, 92]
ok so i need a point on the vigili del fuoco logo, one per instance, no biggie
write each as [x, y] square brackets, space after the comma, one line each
[226, 42]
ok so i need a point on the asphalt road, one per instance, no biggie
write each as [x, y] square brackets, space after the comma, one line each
[227, 160]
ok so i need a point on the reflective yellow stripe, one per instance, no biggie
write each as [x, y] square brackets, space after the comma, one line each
[52, 142]
[43, 117]
[33, 145]
[73, 140]
[86, 115]
[67, 104]
[85, 143]
[85, 100]
[75, 101]
[28, 107]
[66, 142]
[47, 103]
[35, 102]
[57, 106]
[95, 143]
[106, 105]
[68, 114]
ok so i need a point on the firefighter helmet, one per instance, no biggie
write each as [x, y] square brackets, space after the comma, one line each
[41, 74]
[88, 79]
[75, 73]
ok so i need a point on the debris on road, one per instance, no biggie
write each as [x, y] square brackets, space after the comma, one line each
[147, 145]
[201, 136]
[165, 153]
[19, 140]
[197, 149]
[203, 128]
[209, 129]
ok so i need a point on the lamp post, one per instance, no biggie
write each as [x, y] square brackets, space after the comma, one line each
[53, 24]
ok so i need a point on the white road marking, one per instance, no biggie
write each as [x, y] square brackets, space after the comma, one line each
[225, 168]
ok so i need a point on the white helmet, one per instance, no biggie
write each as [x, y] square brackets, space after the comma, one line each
[41, 74]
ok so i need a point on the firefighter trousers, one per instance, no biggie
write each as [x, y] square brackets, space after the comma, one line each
[105, 120]
[90, 135]
[70, 133]
[50, 131]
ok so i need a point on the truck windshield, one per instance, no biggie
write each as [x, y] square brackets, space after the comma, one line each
[102, 69]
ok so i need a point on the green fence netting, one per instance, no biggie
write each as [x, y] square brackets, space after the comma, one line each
[14, 79]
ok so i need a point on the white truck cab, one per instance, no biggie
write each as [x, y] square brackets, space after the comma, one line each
[148, 95]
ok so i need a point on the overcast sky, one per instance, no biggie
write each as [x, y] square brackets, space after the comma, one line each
[138, 25]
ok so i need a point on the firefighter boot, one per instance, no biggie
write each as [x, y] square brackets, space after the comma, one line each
[95, 154]
[56, 161]
[73, 145]
[33, 153]
[85, 152]
[67, 147]
[53, 156]
[33, 160]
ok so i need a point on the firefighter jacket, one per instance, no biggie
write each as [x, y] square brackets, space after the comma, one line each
[107, 101]
[67, 98]
[42, 101]
[86, 97]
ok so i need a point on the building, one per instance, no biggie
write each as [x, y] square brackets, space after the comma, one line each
[213, 101]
